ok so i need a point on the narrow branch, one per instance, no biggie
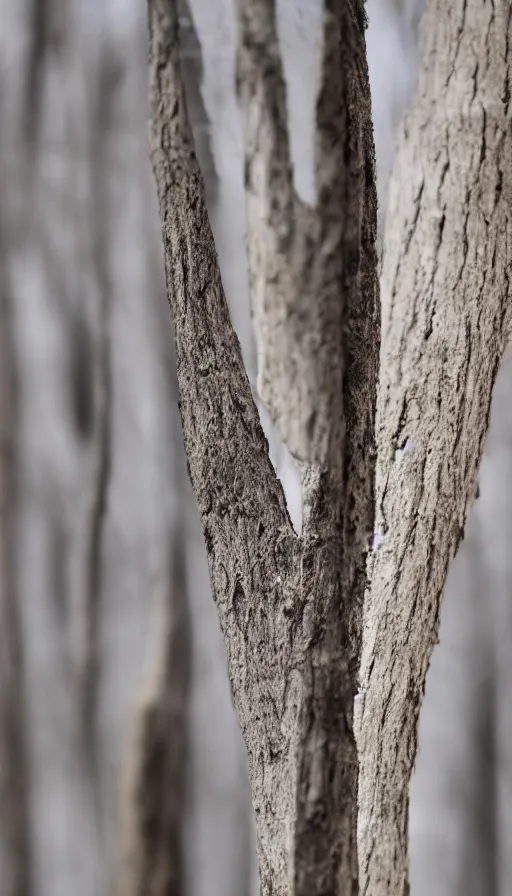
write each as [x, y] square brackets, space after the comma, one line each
[233, 479]
[446, 314]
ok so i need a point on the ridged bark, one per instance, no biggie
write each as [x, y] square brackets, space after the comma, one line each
[446, 314]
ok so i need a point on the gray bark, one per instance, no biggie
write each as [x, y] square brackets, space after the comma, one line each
[289, 607]
[446, 321]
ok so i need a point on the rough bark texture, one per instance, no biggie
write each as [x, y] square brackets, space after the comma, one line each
[289, 607]
[446, 319]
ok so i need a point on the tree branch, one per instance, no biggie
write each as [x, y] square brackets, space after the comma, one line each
[233, 479]
[446, 320]
[297, 252]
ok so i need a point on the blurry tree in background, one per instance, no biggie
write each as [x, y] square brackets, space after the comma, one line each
[102, 565]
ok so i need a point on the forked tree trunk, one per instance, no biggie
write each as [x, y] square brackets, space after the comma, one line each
[290, 607]
[446, 320]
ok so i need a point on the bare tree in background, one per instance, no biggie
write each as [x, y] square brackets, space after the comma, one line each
[15, 858]
[61, 255]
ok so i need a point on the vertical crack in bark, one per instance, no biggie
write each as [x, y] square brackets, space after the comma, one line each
[446, 321]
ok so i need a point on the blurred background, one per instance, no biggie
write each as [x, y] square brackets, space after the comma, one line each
[116, 724]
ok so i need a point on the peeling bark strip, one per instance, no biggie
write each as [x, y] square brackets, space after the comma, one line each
[289, 607]
[446, 319]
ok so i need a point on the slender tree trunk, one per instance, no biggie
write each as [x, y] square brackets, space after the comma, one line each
[290, 607]
[90, 559]
[446, 320]
[15, 875]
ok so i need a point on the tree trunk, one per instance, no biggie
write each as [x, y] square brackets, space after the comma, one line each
[446, 321]
[289, 607]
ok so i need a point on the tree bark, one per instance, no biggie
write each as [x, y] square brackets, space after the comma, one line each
[289, 607]
[446, 320]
